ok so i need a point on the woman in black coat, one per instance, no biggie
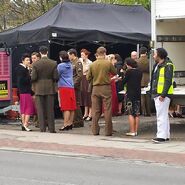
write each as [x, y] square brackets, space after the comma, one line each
[27, 107]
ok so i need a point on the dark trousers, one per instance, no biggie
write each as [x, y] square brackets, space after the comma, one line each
[101, 97]
[45, 111]
[78, 118]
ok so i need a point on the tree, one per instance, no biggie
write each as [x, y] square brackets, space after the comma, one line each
[145, 3]
[16, 12]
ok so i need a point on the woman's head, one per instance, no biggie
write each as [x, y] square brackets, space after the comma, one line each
[25, 59]
[84, 53]
[130, 63]
[112, 59]
[64, 57]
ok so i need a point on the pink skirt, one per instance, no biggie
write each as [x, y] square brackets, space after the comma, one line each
[27, 105]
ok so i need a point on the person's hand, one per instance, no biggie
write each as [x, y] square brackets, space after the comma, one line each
[161, 98]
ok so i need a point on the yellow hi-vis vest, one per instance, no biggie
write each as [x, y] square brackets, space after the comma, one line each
[161, 80]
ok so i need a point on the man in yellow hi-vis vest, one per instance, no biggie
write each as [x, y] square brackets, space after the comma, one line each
[162, 91]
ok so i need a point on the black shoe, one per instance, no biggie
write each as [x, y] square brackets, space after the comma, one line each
[70, 127]
[22, 127]
[53, 131]
[96, 134]
[42, 130]
[85, 117]
[158, 140]
[167, 139]
[174, 114]
[179, 115]
[65, 128]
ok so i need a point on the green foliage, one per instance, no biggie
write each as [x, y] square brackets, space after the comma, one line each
[16, 12]
[145, 3]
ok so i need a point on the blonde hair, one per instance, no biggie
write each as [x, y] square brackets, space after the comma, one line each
[111, 58]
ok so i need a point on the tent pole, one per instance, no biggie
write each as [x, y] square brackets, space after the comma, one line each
[137, 50]
[49, 49]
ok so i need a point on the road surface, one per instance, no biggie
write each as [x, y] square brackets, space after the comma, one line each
[19, 168]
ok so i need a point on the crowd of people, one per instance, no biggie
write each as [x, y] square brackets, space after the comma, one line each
[95, 86]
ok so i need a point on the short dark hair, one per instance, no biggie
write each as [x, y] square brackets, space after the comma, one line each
[25, 55]
[143, 50]
[161, 53]
[130, 62]
[36, 54]
[118, 57]
[64, 56]
[72, 51]
[43, 50]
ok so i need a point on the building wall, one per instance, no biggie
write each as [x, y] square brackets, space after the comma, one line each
[170, 9]
[176, 50]
[168, 18]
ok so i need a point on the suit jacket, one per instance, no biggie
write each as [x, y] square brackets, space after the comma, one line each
[143, 65]
[44, 76]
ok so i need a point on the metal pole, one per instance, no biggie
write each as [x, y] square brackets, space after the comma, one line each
[137, 50]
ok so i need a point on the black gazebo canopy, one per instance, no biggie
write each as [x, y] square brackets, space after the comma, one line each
[84, 22]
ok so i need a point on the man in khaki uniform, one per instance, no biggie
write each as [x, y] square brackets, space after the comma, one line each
[44, 75]
[77, 78]
[143, 65]
[99, 73]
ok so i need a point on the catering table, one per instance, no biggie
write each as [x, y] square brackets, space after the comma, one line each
[178, 95]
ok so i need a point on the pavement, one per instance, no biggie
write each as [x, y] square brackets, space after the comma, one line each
[81, 142]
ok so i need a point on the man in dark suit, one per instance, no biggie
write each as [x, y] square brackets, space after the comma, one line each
[44, 76]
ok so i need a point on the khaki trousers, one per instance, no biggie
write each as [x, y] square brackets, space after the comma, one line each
[145, 104]
[102, 97]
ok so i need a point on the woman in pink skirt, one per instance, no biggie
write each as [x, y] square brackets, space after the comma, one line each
[27, 107]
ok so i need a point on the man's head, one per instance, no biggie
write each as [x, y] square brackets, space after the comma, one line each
[101, 52]
[35, 57]
[131, 63]
[72, 54]
[26, 59]
[134, 55]
[143, 51]
[43, 50]
[160, 54]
